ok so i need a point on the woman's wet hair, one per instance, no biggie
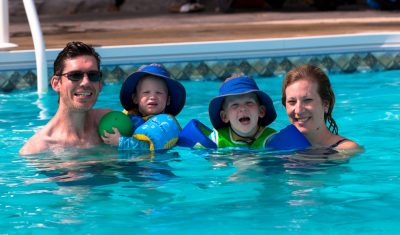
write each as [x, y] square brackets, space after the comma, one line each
[72, 50]
[317, 75]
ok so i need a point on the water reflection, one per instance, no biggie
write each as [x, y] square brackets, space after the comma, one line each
[161, 188]
[42, 104]
[100, 166]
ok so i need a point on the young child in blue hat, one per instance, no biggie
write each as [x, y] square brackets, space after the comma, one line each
[241, 114]
[151, 99]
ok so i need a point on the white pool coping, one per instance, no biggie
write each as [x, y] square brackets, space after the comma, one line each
[220, 50]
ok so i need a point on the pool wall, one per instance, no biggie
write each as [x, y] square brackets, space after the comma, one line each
[218, 60]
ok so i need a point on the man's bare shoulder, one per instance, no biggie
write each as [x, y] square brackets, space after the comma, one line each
[97, 114]
[37, 143]
[46, 137]
[102, 111]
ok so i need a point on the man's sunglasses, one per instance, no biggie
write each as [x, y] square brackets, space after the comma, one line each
[94, 76]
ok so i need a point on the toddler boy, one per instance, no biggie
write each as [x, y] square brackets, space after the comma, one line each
[145, 95]
[241, 114]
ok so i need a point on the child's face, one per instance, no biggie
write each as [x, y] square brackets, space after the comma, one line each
[151, 95]
[242, 112]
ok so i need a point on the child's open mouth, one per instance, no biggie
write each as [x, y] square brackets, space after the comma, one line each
[244, 120]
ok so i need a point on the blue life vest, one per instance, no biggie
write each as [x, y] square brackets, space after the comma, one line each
[195, 135]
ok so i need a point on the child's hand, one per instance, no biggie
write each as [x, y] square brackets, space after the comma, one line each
[111, 139]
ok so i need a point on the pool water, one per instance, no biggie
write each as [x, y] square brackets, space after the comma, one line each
[184, 191]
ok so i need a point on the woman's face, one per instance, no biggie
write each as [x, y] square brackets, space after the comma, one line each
[304, 107]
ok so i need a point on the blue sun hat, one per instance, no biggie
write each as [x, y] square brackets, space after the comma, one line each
[239, 85]
[176, 91]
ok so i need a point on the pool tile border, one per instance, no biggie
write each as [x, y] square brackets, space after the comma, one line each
[218, 60]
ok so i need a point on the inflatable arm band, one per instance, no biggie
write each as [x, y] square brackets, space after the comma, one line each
[195, 135]
[161, 131]
[289, 138]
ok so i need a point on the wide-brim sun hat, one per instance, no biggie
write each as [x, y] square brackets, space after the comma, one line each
[238, 86]
[176, 91]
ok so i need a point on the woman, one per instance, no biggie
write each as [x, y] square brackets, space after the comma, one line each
[309, 100]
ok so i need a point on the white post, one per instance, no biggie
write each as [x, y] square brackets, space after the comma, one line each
[4, 26]
[38, 43]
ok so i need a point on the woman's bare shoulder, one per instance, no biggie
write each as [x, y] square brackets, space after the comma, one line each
[348, 144]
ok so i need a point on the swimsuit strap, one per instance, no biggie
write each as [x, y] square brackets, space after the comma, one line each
[337, 143]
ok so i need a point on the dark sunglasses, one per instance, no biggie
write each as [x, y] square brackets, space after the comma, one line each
[94, 76]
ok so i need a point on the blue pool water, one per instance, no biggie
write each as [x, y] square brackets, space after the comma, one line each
[183, 191]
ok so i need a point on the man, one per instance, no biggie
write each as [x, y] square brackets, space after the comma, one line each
[77, 80]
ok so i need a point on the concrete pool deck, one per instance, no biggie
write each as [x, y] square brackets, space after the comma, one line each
[122, 28]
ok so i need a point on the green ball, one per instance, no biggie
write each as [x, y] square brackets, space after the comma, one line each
[118, 120]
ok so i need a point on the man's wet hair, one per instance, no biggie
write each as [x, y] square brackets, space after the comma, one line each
[72, 50]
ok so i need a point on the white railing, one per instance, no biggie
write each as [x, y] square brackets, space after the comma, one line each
[38, 43]
[37, 37]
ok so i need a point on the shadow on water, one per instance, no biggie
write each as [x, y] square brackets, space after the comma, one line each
[102, 166]
[153, 173]
[260, 165]
[164, 188]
